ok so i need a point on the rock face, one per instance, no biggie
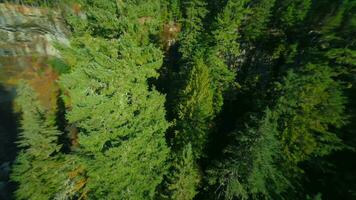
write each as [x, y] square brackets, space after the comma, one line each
[29, 30]
[27, 36]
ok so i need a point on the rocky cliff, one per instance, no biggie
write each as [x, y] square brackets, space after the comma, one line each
[27, 35]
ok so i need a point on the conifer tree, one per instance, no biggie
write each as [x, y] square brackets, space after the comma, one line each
[256, 22]
[259, 92]
[222, 57]
[195, 110]
[311, 103]
[250, 169]
[194, 13]
[226, 31]
[183, 179]
[291, 12]
[121, 119]
[38, 169]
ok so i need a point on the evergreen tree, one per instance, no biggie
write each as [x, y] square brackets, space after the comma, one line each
[226, 31]
[222, 57]
[183, 178]
[261, 97]
[194, 13]
[195, 109]
[172, 10]
[121, 119]
[311, 103]
[291, 12]
[38, 169]
[257, 20]
[250, 169]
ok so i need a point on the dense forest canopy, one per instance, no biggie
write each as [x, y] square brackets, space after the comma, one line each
[195, 99]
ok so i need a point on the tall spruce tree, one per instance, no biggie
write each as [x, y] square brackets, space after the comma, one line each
[223, 54]
[333, 26]
[120, 117]
[195, 110]
[310, 105]
[250, 169]
[194, 12]
[38, 169]
[257, 20]
[183, 179]
[291, 12]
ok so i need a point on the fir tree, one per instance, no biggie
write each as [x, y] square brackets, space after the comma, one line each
[222, 57]
[183, 179]
[291, 12]
[311, 103]
[250, 169]
[193, 17]
[257, 20]
[38, 169]
[226, 31]
[195, 110]
[121, 119]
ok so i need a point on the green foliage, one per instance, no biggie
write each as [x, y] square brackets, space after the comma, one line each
[336, 38]
[184, 177]
[292, 12]
[256, 23]
[172, 10]
[193, 13]
[316, 197]
[38, 168]
[195, 109]
[259, 95]
[58, 65]
[226, 30]
[223, 56]
[222, 78]
[121, 120]
[311, 102]
[251, 168]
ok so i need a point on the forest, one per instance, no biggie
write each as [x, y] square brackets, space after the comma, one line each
[194, 99]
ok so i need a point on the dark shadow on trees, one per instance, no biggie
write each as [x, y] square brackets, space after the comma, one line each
[9, 129]
[62, 125]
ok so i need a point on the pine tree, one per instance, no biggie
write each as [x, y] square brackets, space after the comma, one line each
[195, 109]
[291, 12]
[121, 119]
[257, 20]
[183, 178]
[311, 103]
[222, 56]
[250, 169]
[38, 169]
[193, 17]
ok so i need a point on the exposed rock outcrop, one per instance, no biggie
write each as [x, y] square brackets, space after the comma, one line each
[29, 30]
[27, 37]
